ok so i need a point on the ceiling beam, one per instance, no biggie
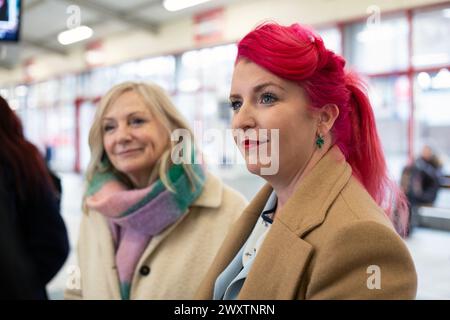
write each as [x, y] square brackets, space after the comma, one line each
[119, 15]
[27, 6]
[7, 66]
[41, 45]
[145, 5]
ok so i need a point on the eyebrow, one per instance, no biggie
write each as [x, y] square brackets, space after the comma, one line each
[259, 88]
[128, 115]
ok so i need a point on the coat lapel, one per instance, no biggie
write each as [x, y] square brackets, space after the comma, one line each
[307, 207]
[271, 276]
[107, 253]
[233, 242]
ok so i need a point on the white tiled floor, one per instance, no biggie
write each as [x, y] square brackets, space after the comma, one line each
[430, 248]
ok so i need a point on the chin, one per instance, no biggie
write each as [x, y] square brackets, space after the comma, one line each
[263, 170]
[131, 168]
[254, 168]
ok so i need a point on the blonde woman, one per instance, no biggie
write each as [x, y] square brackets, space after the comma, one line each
[151, 226]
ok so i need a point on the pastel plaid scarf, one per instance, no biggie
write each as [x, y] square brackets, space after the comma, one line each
[135, 216]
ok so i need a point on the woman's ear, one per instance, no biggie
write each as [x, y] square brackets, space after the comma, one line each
[327, 116]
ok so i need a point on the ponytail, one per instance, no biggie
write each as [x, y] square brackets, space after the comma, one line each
[366, 157]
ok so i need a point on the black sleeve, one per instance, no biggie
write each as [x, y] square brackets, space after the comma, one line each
[44, 234]
[430, 185]
[16, 276]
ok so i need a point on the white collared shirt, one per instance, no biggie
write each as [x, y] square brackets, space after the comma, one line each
[229, 283]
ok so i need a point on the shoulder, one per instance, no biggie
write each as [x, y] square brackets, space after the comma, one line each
[354, 214]
[363, 260]
[354, 204]
[220, 198]
[355, 238]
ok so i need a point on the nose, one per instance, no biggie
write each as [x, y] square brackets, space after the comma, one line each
[245, 118]
[123, 134]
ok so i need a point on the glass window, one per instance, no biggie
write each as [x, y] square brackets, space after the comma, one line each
[160, 70]
[60, 135]
[431, 37]
[378, 47]
[98, 81]
[332, 39]
[209, 68]
[127, 71]
[390, 101]
[432, 113]
[203, 86]
[87, 113]
[203, 83]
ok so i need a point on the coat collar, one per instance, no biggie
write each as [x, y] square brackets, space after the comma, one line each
[304, 211]
[211, 195]
[307, 207]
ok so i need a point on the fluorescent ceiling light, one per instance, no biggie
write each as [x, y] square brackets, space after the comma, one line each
[74, 35]
[424, 80]
[175, 5]
[442, 79]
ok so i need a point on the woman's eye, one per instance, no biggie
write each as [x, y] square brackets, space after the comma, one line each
[235, 105]
[108, 127]
[268, 98]
[137, 121]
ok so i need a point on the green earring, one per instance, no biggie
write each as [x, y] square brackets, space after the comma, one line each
[319, 141]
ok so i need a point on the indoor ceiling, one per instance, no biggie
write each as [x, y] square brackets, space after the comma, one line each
[43, 20]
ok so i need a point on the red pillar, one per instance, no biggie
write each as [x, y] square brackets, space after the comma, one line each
[78, 103]
[411, 87]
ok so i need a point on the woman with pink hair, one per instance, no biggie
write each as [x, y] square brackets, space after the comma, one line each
[321, 227]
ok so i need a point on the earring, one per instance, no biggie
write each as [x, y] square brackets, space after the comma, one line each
[319, 141]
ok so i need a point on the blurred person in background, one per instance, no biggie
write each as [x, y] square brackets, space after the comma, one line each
[150, 227]
[33, 202]
[320, 227]
[421, 182]
[48, 156]
[4, 10]
[15, 274]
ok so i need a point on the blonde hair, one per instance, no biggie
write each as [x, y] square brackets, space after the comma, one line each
[162, 108]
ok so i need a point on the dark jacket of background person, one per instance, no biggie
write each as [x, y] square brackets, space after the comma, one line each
[422, 181]
[15, 273]
[33, 202]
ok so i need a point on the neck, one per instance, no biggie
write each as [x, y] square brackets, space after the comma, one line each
[140, 181]
[285, 187]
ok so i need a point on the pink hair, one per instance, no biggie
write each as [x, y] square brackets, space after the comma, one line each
[297, 54]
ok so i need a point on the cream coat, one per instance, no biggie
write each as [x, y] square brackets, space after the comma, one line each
[178, 258]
